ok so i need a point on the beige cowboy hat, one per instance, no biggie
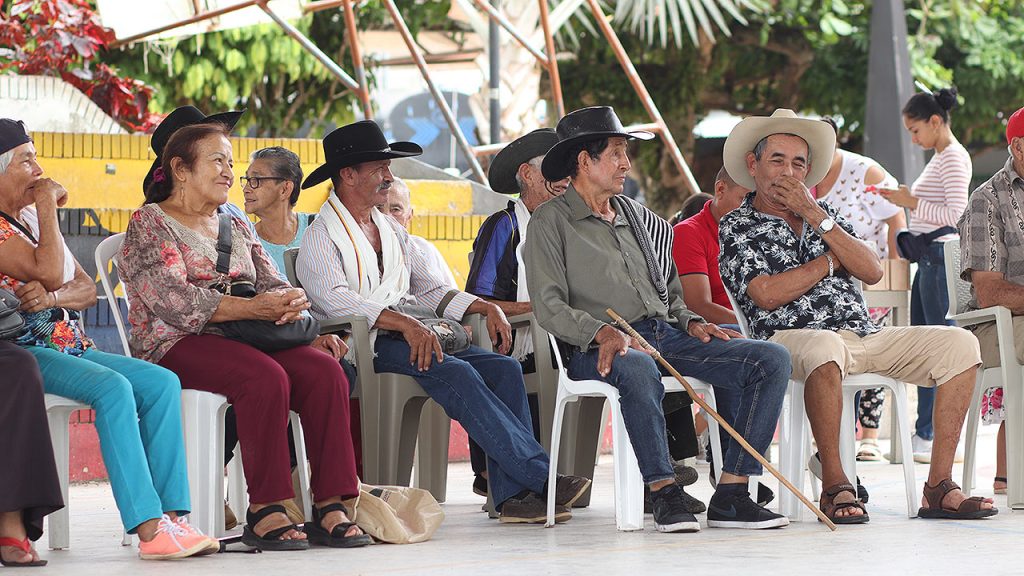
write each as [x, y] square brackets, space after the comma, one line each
[820, 138]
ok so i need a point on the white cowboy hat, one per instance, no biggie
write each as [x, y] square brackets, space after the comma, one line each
[820, 138]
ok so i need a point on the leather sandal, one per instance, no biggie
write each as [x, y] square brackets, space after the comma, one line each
[271, 541]
[969, 509]
[831, 508]
[337, 537]
[999, 479]
[25, 546]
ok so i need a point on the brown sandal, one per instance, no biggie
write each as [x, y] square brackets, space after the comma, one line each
[830, 507]
[969, 509]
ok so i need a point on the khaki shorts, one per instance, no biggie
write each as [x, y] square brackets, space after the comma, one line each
[986, 334]
[922, 355]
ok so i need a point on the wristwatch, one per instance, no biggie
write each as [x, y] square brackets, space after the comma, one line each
[826, 225]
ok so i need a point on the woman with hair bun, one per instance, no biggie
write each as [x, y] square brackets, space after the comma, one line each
[935, 202]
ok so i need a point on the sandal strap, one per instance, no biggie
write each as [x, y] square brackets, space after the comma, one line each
[936, 494]
[24, 545]
[972, 504]
[319, 513]
[276, 533]
[838, 489]
[999, 479]
[253, 518]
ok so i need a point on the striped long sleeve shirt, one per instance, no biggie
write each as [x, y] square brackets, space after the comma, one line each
[941, 190]
[319, 270]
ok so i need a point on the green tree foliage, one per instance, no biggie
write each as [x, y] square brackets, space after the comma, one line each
[808, 55]
[286, 90]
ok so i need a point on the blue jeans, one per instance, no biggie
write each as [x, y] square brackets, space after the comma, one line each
[929, 303]
[138, 419]
[757, 371]
[485, 393]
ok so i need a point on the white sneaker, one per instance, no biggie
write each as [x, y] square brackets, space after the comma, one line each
[922, 449]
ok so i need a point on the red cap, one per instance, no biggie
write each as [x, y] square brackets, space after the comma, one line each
[1015, 126]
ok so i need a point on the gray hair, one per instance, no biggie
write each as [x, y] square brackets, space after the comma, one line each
[5, 160]
[763, 143]
[285, 164]
[535, 162]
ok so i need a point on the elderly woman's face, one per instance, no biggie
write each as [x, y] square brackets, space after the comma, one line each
[21, 173]
[263, 188]
[212, 175]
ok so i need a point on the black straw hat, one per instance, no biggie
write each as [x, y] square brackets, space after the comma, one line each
[579, 126]
[179, 118]
[502, 173]
[356, 143]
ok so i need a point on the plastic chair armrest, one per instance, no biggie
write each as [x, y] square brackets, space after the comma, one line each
[990, 314]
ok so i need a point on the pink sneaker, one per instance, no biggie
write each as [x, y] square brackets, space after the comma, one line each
[172, 541]
[213, 545]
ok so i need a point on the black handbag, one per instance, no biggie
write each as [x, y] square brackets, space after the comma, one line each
[12, 323]
[914, 246]
[263, 335]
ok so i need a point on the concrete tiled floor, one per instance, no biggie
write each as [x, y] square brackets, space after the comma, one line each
[470, 544]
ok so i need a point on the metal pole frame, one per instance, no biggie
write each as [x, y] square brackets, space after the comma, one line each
[446, 111]
[313, 49]
[357, 60]
[645, 96]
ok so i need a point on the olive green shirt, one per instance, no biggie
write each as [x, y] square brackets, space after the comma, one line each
[578, 265]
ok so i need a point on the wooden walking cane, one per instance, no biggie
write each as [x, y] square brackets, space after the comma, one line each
[718, 418]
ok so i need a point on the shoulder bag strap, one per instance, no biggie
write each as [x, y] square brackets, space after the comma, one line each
[223, 243]
[14, 222]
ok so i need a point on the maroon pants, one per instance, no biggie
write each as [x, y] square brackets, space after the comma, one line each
[263, 387]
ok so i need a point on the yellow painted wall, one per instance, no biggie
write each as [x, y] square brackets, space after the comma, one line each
[105, 172]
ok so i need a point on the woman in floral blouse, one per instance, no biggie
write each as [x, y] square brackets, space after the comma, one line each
[168, 266]
[138, 405]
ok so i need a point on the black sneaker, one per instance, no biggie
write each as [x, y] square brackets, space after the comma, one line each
[569, 489]
[765, 495]
[739, 511]
[480, 486]
[691, 504]
[685, 475]
[530, 508]
[670, 515]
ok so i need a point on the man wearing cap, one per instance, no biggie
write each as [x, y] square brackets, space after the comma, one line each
[792, 263]
[592, 249]
[355, 260]
[992, 251]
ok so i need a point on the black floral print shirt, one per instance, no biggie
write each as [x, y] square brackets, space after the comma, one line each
[756, 244]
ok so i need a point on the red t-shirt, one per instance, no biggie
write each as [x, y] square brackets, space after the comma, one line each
[695, 250]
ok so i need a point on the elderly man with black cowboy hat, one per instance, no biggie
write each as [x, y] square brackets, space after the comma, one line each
[354, 260]
[592, 249]
[793, 264]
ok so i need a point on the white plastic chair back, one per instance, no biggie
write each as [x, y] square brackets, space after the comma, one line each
[104, 256]
[959, 290]
[741, 318]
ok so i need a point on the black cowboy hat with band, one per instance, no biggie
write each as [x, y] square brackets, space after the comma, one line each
[502, 174]
[356, 143]
[584, 125]
[179, 118]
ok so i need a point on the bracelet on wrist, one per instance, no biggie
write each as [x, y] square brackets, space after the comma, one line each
[831, 264]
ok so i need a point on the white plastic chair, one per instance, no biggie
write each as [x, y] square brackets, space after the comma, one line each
[794, 437]
[629, 485]
[202, 416]
[1009, 375]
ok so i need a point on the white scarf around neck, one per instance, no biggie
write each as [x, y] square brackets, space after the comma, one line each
[359, 259]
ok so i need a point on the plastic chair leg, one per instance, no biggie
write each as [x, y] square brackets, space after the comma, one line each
[901, 409]
[848, 435]
[59, 525]
[431, 467]
[971, 436]
[556, 440]
[629, 485]
[304, 495]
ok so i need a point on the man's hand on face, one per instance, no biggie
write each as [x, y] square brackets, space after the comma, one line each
[46, 189]
[794, 195]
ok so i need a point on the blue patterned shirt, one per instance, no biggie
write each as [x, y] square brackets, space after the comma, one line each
[757, 244]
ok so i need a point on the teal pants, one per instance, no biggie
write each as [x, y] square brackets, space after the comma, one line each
[138, 419]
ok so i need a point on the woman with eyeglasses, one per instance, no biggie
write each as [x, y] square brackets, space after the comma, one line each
[271, 188]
